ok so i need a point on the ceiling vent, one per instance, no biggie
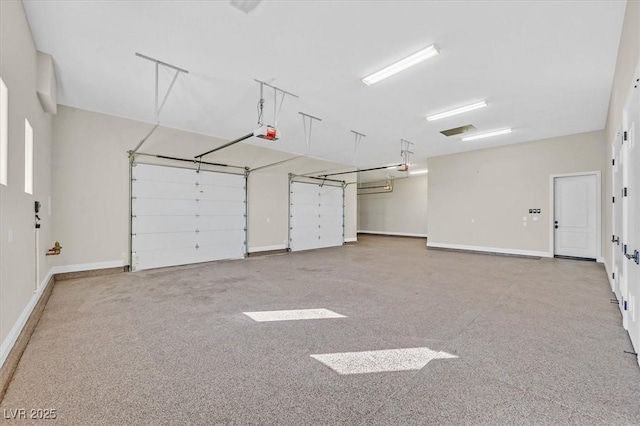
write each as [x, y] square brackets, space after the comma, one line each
[458, 130]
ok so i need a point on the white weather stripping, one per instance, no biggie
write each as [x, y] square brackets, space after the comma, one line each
[293, 315]
[380, 361]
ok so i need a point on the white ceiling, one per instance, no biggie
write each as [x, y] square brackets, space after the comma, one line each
[544, 67]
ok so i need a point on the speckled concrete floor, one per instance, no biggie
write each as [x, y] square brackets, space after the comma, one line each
[538, 342]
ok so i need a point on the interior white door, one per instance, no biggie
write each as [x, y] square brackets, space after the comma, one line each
[316, 216]
[182, 216]
[575, 215]
[631, 206]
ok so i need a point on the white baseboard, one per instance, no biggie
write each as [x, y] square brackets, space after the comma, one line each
[351, 240]
[13, 335]
[398, 234]
[87, 266]
[267, 248]
[491, 249]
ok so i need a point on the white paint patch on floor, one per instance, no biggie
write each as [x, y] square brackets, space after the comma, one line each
[380, 361]
[294, 314]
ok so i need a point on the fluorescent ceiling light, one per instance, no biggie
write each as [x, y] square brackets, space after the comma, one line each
[419, 172]
[486, 135]
[456, 111]
[402, 65]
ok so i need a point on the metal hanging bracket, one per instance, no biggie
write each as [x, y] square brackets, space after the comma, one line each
[158, 105]
[358, 139]
[405, 153]
[276, 110]
[307, 135]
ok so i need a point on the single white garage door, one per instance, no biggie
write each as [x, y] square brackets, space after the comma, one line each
[181, 216]
[316, 215]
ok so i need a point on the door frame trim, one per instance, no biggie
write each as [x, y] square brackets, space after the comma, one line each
[552, 194]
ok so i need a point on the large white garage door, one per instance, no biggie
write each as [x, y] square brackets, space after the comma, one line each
[316, 216]
[181, 216]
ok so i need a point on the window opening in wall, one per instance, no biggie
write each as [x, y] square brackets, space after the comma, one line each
[4, 131]
[28, 157]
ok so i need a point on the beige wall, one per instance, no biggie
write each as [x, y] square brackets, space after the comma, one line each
[91, 187]
[17, 259]
[479, 198]
[628, 57]
[403, 211]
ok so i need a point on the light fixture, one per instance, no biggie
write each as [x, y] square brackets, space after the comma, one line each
[456, 111]
[419, 172]
[402, 65]
[486, 135]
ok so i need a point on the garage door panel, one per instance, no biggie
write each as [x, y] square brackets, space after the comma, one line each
[153, 224]
[332, 223]
[163, 207]
[220, 208]
[330, 241]
[331, 191]
[304, 199]
[156, 241]
[215, 223]
[221, 237]
[306, 244]
[164, 257]
[328, 210]
[205, 254]
[304, 209]
[164, 174]
[221, 193]
[222, 179]
[172, 190]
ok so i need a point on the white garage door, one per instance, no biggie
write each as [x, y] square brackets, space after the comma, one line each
[316, 216]
[181, 216]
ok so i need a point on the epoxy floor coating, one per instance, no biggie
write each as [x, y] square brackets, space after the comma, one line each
[536, 341]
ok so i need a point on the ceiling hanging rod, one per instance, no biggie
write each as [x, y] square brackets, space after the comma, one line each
[307, 136]
[359, 137]
[158, 105]
[158, 63]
